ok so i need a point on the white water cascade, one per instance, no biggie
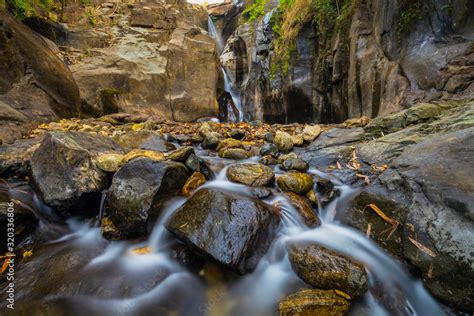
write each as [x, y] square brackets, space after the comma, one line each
[235, 112]
[108, 278]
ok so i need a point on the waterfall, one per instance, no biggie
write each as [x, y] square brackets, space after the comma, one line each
[213, 32]
[235, 95]
[229, 86]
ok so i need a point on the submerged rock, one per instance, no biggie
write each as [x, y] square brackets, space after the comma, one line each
[65, 171]
[299, 183]
[139, 190]
[327, 270]
[235, 231]
[253, 174]
[310, 302]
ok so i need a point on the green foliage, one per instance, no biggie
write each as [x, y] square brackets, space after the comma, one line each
[255, 11]
[290, 17]
[409, 14]
[22, 9]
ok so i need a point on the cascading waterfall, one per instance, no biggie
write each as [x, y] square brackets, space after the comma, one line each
[213, 32]
[235, 112]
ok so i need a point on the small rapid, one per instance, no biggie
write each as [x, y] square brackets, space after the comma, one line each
[144, 276]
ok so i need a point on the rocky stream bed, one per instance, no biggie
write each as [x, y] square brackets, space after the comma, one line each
[133, 215]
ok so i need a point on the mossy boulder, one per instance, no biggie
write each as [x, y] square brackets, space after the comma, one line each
[310, 302]
[326, 269]
[253, 174]
[195, 180]
[299, 183]
[283, 141]
[234, 153]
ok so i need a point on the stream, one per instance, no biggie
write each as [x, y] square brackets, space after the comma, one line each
[78, 271]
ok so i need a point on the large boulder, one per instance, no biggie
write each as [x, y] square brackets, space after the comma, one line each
[235, 231]
[428, 196]
[139, 190]
[325, 269]
[65, 172]
[35, 85]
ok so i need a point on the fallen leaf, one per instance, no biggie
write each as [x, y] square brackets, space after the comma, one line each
[366, 178]
[141, 251]
[379, 212]
[5, 265]
[27, 254]
[343, 294]
[423, 248]
[430, 271]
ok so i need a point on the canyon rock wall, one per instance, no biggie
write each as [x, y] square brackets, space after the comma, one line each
[386, 56]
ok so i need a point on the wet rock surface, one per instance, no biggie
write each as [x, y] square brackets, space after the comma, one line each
[411, 186]
[139, 190]
[252, 174]
[64, 170]
[308, 302]
[245, 228]
[325, 269]
[299, 183]
[304, 209]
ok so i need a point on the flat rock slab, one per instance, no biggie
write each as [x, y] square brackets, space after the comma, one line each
[337, 136]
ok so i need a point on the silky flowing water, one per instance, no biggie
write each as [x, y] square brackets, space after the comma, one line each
[235, 112]
[78, 271]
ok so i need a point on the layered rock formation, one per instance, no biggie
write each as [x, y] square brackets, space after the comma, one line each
[154, 58]
[371, 61]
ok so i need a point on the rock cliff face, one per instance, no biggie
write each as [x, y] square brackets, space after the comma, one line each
[152, 57]
[380, 57]
[34, 83]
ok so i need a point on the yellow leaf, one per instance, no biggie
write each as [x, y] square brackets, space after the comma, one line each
[5, 265]
[423, 248]
[379, 212]
[27, 253]
[343, 294]
[141, 251]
